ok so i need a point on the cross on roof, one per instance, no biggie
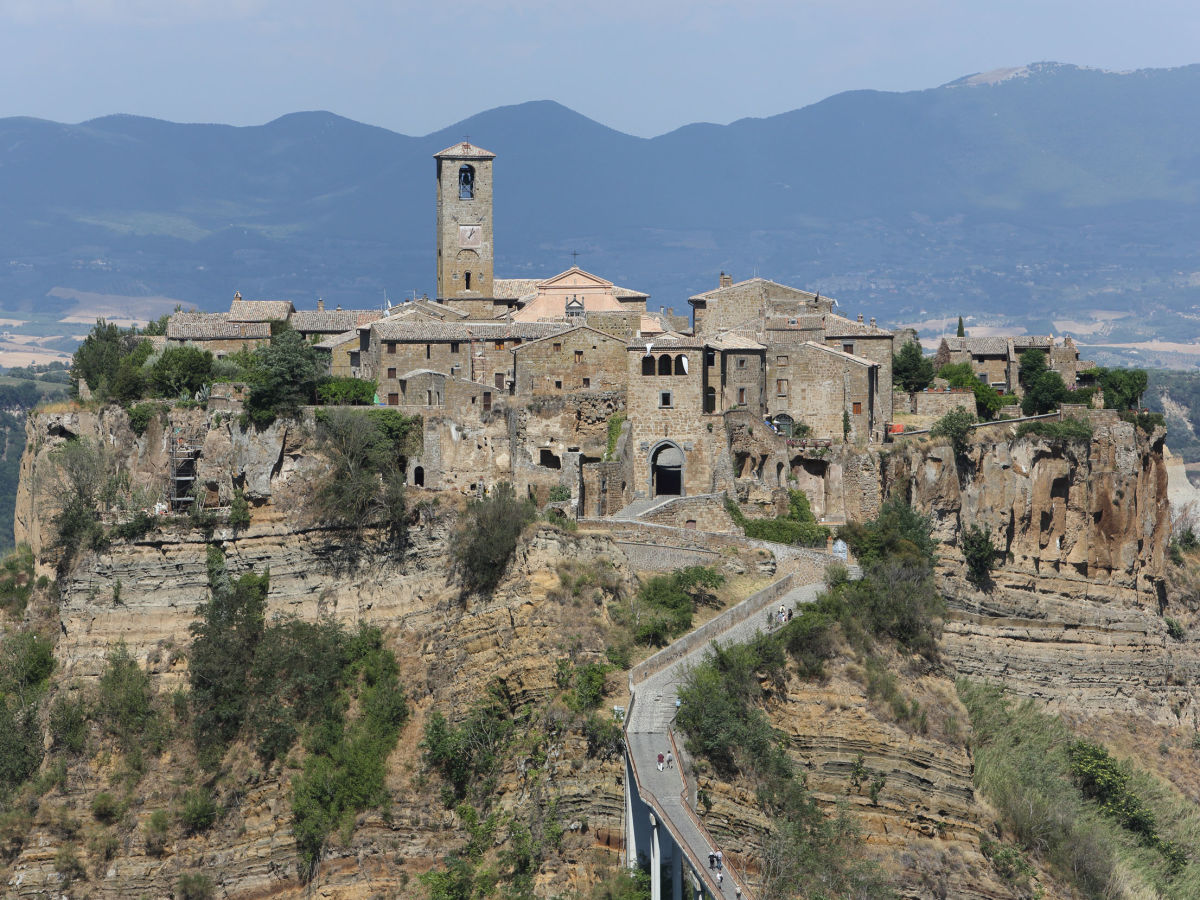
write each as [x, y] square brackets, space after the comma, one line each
[574, 256]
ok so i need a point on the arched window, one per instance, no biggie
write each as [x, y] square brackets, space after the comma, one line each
[710, 399]
[466, 183]
[681, 365]
[664, 365]
[647, 365]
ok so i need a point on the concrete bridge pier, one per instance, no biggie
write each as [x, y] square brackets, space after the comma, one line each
[655, 860]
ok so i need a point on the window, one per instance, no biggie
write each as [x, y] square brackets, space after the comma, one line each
[467, 280]
[741, 396]
[578, 357]
[392, 372]
[487, 400]
[500, 380]
[781, 360]
[429, 398]
[558, 384]
[587, 382]
[393, 399]
[428, 351]
[710, 399]
[664, 365]
[647, 365]
[847, 348]
[983, 377]
[741, 362]
[710, 357]
[557, 347]
[664, 399]
[391, 347]
[499, 345]
[857, 407]
[781, 386]
[466, 183]
[454, 346]
[681, 364]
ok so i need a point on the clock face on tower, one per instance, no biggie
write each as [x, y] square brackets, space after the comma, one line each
[470, 236]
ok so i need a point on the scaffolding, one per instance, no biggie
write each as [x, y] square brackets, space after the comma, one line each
[185, 451]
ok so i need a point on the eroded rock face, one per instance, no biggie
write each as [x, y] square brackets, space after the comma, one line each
[1076, 612]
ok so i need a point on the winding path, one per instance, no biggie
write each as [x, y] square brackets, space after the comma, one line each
[648, 730]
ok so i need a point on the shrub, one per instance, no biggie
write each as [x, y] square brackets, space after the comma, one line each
[239, 511]
[181, 371]
[16, 580]
[559, 493]
[798, 527]
[898, 531]
[124, 704]
[86, 471]
[589, 685]
[69, 866]
[487, 536]
[468, 755]
[106, 808]
[68, 724]
[955, 426]
[1070, 430]
[284, 377]
[195, 886]
[135, 528]
[344, 391]
[140, 416]
[664, 604]
[1144, 421]
[1175, 630]
[614, 434]
[199, 811]
[979, 554]
[155, 832]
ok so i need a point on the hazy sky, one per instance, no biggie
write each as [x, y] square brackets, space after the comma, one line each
[643, 66]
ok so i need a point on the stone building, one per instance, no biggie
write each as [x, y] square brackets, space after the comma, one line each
[581, 359]
[326, 323]
[997, 360]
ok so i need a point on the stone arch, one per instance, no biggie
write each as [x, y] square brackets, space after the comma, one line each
[664, 364]
[710, 399]
[647, 365]
[419, 476]
[681, 364]
[466, 182]
[785, 424]
[667, 464]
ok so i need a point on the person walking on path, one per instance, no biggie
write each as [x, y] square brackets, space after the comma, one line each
[720, 877]
[720, 861]
[712, 860]
[737, 892]
[670, 760]
[660, 762]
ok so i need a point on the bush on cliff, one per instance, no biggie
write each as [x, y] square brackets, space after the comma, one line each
[798, 527]
[664, 604]
[955, 426]
[487, 535]
[285, 376]
[342, 391]
[181, 372]
[86, 481]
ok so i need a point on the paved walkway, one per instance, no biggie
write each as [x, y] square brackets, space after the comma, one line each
[648, 734]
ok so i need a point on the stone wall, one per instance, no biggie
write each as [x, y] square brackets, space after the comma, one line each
[938, 403]
[705, 512]
[580, 360]
[826, 384]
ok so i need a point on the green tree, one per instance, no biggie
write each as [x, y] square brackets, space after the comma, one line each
[1123, 388]
[961, 332]
[1032, 363]
[487, 536]
[911, 369]
[181, 371]
[960, 375]
[109, 361]
[1043, 394]
[955, 426]
[979, 554]
[223, 644]
[338, 391]
[286, 372]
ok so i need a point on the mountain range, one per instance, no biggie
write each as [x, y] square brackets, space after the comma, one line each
[1025, 195]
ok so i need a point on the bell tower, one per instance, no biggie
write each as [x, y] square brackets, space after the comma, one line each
[464, 221]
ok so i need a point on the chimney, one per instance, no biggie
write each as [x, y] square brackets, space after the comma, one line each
[339, 307]
[872, 321]
[860, 317]
[726, 280]
[320, 304]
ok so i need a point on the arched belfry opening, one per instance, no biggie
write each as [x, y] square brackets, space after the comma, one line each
[666, 471]
[466, 183]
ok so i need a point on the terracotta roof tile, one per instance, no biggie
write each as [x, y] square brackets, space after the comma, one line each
[333, 321]
[415, 331]
[187, 326]
[260, 310]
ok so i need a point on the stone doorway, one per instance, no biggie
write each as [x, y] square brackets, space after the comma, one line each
[666, 471]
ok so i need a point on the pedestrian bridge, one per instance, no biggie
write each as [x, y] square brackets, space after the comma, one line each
[661, 827]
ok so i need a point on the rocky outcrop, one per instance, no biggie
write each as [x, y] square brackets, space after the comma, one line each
[1075, 613]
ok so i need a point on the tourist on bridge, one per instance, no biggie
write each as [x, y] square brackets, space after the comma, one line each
[660, 762]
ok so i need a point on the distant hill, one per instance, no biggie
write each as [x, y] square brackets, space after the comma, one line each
[1044, 192]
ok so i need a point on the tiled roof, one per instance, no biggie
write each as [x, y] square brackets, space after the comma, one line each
[464, 150]
[260, 310]
[188, 326]
[629, 292]
[840, 326]
[337, 340]
[814, 322]
[764, 283]
[670, 340]
[415, 331]
[979, 346]
[1025, 341]
[730, 340]
[570, 329]
[333, 321]
[849, 357]
[514, 288]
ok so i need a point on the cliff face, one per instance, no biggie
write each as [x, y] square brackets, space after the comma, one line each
[1075, 615]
